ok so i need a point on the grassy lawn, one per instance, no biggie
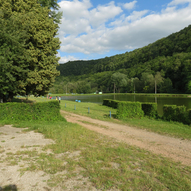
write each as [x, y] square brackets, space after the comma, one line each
[98, 111]
[107, 163]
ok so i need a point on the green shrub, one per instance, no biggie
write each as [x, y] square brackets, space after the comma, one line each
[150, 109]
[114, 103]
[107, 102]
[189, 117]
[175, 113]
[111, 103]
[45, 111]
[129, 109]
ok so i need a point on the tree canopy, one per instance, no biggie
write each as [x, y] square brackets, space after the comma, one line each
[28, 48]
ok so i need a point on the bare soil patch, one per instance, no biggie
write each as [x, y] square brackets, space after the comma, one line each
[14, 141]
[177, 149]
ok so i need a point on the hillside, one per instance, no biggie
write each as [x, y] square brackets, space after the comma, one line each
[170, 56]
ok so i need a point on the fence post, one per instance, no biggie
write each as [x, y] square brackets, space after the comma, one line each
[65, 104]
[74, 107]
[88, 110]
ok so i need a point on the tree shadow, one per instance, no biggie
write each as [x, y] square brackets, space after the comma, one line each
[11, 187]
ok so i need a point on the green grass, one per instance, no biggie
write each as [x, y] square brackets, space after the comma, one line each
[101, 112]
[108, 164]
[98, 111]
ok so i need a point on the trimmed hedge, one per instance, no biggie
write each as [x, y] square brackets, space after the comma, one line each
[150, 109]
[107, 102]
[189, 116]
[175, 113]
[129, 109]
[45, 111]
[111, 103]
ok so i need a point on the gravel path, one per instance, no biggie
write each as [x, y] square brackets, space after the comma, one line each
[177, 149]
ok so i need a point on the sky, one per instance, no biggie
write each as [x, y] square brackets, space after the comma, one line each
[93, 29]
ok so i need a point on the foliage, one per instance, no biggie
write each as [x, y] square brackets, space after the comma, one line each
[45, 111]
[150, 109]
[175, 113]
[32, 59]
[111, 103]
[53, 9]
[129, 109]
[13, 58]
[119, 80]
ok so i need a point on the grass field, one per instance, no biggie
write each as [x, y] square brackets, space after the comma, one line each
[106, 163]
[98, 111]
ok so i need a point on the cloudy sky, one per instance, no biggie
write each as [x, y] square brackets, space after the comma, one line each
[93, 29]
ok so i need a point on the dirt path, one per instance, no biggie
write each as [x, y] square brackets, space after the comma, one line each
[177, 149]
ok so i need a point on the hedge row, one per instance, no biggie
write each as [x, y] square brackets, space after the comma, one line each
[45, 111]
[129, 109]
[176, 113]
[137, 109]
[111, 103]
[132, 109]
[150, 109]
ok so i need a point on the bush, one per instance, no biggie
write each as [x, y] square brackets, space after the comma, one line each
[107, 102]
[114, 104]
[129, 109]
[46, 111]
[175, 113]
[150, 109]
[111, 103]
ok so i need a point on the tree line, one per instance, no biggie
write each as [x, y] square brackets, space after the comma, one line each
[163, 66]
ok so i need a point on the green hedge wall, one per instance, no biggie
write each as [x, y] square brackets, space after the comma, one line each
[129, 109]
[107, 102]
[189, 117]
[45, 111]
[150, 109]
[175, 113]
[111, 103]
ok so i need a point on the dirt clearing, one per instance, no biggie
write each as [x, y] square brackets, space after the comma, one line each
[18, 150]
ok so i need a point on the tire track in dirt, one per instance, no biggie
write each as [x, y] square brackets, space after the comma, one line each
[175, 148]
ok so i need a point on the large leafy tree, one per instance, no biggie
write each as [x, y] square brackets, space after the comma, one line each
[36, 50]
[13, 58]
[119, 80]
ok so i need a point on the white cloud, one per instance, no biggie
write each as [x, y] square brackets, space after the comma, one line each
[130, 5]
[91, 30]
[178, 2]
[102, 14]
[66, 59]
[136, 15]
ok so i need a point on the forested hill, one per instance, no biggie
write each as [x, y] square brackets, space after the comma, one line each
[179, 42]
[163, 66]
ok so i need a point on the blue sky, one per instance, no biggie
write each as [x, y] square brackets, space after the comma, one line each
[93, 29]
